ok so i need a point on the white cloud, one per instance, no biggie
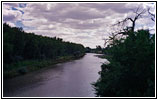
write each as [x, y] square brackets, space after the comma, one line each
[86, 23]
[9, 14]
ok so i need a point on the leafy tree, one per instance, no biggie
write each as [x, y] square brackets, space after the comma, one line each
[20, 46]
[131, 70]
[98, 47]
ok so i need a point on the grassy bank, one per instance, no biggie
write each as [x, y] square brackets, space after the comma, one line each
[24, 67]
[103, 56]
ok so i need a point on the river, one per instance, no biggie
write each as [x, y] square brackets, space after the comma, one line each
[68, 79]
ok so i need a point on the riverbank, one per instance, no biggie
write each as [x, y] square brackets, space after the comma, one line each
[24, 67]
[69, 79]
[103, 56]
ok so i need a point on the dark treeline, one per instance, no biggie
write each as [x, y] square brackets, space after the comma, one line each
[98, 50]
[131, 68]
[20, 46]
[131, 71]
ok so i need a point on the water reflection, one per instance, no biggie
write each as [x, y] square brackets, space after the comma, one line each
[70, 79]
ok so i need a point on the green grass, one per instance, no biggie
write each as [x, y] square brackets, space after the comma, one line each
[103, 56]
[12, 70]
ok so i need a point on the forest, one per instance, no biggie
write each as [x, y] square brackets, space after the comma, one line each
[21, 49]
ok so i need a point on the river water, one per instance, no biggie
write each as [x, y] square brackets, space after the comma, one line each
[69, 79]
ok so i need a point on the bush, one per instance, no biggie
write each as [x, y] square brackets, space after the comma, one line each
[131, 71]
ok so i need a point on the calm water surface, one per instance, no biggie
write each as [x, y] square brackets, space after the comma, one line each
[70, 79]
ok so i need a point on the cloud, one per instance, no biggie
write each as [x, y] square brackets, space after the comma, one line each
[86, 23]
[11, 4]
[82, 14]
[22, 5]
[11, 13]
[77, 24]
[8, 17]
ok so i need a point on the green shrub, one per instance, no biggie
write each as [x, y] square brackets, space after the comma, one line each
[131, 71]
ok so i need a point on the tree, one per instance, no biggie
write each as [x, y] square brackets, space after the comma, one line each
[98, 47]
[131, 68]
[19, 45]
[138, 14]
[152, 15]
[123, 33]
[131, 71]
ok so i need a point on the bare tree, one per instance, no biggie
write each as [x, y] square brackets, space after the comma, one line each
[127, 30]
[152, 15]
[138, 15]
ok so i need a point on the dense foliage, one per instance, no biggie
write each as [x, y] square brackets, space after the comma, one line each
[131, 71]
[98, 49]
[20, 46]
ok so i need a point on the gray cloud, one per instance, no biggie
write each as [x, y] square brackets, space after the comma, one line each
[8, 17]
[11, 4]
[83, 37]
[86, 23]
[82, 15]
[60, 12]
[116, 7]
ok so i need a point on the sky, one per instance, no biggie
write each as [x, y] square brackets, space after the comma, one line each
[84, 23]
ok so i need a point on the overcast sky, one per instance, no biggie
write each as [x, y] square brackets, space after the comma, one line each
[85, 23]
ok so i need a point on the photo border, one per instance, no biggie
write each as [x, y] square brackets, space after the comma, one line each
[78, 97]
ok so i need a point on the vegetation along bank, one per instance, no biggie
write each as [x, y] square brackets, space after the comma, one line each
[24, 52]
